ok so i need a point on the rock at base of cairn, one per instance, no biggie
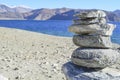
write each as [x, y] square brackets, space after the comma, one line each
[95, 58]
[97, 41]
[74, 72]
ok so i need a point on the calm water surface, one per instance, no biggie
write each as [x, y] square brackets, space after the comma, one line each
[51, 27]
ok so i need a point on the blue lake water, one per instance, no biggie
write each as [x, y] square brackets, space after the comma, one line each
[51, 27]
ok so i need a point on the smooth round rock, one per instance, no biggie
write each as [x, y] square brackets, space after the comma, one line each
[95, 58]
[93, 29]
[96, 41]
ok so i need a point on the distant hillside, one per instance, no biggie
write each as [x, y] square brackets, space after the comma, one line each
[12, 13]
[44, 14]
[47, 14]
[21, 9]
[112, 16]
[52, 14]
[63, 14]
[117, 12]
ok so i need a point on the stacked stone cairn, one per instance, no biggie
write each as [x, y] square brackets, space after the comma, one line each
[92, 35]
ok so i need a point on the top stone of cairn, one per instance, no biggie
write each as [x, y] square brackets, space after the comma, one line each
[92, 14]
[92, 22]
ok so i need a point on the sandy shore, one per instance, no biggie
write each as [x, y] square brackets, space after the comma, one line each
[28, 55]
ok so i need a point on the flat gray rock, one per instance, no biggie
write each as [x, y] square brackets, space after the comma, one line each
[95, 58]
[93, 29]
[92, 14]
[74, 72]
[90, 21]
[92, 41]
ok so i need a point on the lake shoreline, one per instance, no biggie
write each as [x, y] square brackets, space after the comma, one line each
[28, 55]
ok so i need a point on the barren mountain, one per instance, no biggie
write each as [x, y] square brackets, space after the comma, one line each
[12, 13]
[47, 14]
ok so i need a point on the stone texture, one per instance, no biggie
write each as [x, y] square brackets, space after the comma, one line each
[3, 78]
[92, 14]
[92, 41]
[95, 58]
[93, 29]
[90, 21]
[74, 72]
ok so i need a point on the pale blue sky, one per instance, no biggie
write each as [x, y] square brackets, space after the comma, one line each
[109, 5]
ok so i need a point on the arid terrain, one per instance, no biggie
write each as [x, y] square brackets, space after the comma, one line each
[28, 55]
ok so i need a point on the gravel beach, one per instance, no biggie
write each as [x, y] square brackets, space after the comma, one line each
[26, 55]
